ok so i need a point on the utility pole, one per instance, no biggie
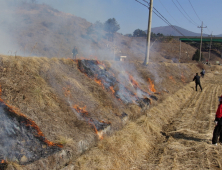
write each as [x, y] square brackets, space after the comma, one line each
[210, 47]
[201, 39]
[180, 51]
[148, 33]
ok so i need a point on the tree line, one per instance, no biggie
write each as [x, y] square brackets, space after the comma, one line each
[110, 26]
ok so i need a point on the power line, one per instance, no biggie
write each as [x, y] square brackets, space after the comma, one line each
[168, 12]
[186, 13]
[181, 12]
[195, 11]
[166, 20]
[155, 11]
[163, 18]
[141, 3]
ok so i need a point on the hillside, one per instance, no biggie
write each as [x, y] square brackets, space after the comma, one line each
[168, 30]
[95, 112]
[43, 31]
[67, 103]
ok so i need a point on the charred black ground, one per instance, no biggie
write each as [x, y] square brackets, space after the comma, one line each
[97, 71]
[20, 141]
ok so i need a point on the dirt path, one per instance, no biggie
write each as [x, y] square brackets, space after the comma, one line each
[188, 137]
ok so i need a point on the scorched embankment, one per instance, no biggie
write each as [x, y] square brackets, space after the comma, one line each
[76, 103]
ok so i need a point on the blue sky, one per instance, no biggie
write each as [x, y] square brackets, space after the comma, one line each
[132, 15]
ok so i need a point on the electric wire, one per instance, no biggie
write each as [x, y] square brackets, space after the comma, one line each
[164, 19]
[161, 17]
[186, 13]
[155, 11]
[197, 15]
[167, 21]
[195, 11]
[182, 12]
[168, 12]
[142, 3]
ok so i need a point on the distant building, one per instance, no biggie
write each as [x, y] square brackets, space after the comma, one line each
[120, 58]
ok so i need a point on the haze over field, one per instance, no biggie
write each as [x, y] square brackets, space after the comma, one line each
[98, 110]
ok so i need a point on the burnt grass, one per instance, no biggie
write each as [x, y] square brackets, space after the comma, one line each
[21, 140]
[36, 86]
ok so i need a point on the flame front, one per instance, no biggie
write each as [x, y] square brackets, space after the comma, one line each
[100, 134]
[99, 82]
[152, 88]
[29, 122]
[96, 71]
[84, 114]
[81, 110]
[112, 90]
[134, 82]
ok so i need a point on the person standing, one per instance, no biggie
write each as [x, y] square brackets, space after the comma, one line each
[202, 73]
[218, 121]
[74, 52]
[197, 81]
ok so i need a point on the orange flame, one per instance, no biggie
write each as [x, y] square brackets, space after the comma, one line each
[84, 112]
[112, 90]
[29, 122]
[80, 110]
[98, 82]
[100, 134]
[3, 161]
[151, 85]
[134, 82]
[99, 62]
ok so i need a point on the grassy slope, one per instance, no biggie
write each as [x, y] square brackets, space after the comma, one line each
[175, 134]
[37, 87]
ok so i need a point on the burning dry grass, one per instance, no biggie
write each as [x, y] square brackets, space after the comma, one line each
[129, 148]
[45, 89]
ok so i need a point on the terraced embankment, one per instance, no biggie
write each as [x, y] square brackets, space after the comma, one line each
[175, 134]
[45, 90]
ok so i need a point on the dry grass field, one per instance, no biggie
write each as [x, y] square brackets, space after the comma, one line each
[174, 132]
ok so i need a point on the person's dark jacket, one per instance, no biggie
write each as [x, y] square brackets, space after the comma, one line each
[197, 79]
